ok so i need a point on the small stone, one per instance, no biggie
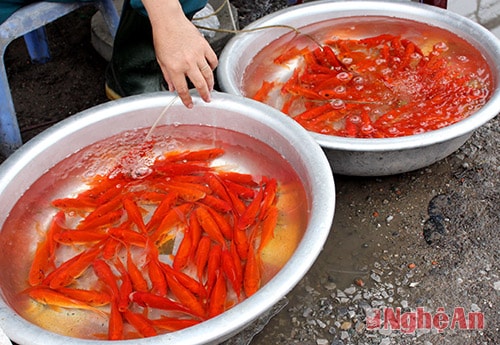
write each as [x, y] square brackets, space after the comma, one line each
[385, 341]
[321, 323]
[360, 327]
[330, 286]
[474, 307]
[309, 289]
[377, 303]
[344, 335]
[341, 294]
[375, 277]
[422, 331]
[384, 331]
[307, 312]
[322, 341]
[346, 325]
[496, 285]
[364, 305]
[342, 311]
[350, 290]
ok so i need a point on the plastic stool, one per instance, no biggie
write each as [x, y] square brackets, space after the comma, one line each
[29, 22]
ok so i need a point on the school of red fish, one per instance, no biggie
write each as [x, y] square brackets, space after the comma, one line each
[377, 87]
[219, 222]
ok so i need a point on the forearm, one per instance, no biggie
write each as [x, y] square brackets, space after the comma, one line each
[164, 13]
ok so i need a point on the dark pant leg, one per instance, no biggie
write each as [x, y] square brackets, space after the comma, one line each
[133, 68]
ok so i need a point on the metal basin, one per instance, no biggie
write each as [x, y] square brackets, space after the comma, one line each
[366, 157]
[259, 139]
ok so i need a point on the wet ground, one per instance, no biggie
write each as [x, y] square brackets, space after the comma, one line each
[425, 239]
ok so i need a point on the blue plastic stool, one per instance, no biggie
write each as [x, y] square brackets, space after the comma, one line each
[29, 22]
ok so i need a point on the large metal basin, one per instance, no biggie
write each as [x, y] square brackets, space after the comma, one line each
[267, 131]
[369, 157]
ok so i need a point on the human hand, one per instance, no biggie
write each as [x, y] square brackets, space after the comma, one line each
[181, 50]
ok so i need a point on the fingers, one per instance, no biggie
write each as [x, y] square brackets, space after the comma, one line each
[203, 81]
[202, 78]
[204, 68]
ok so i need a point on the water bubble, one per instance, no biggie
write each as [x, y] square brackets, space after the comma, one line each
[340, 89]
[418, 131]
[358, 80]
[140, 172]
[359, 87]
[347, 60]
[344, 76]
[477, 92]
[463, 58]
[367, 128]
[441, 46]
[380, 61]
[386, 71]
[355, 119]
[415, 55]
[337, 104]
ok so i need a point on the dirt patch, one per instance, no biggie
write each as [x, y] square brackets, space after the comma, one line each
[71, 82]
